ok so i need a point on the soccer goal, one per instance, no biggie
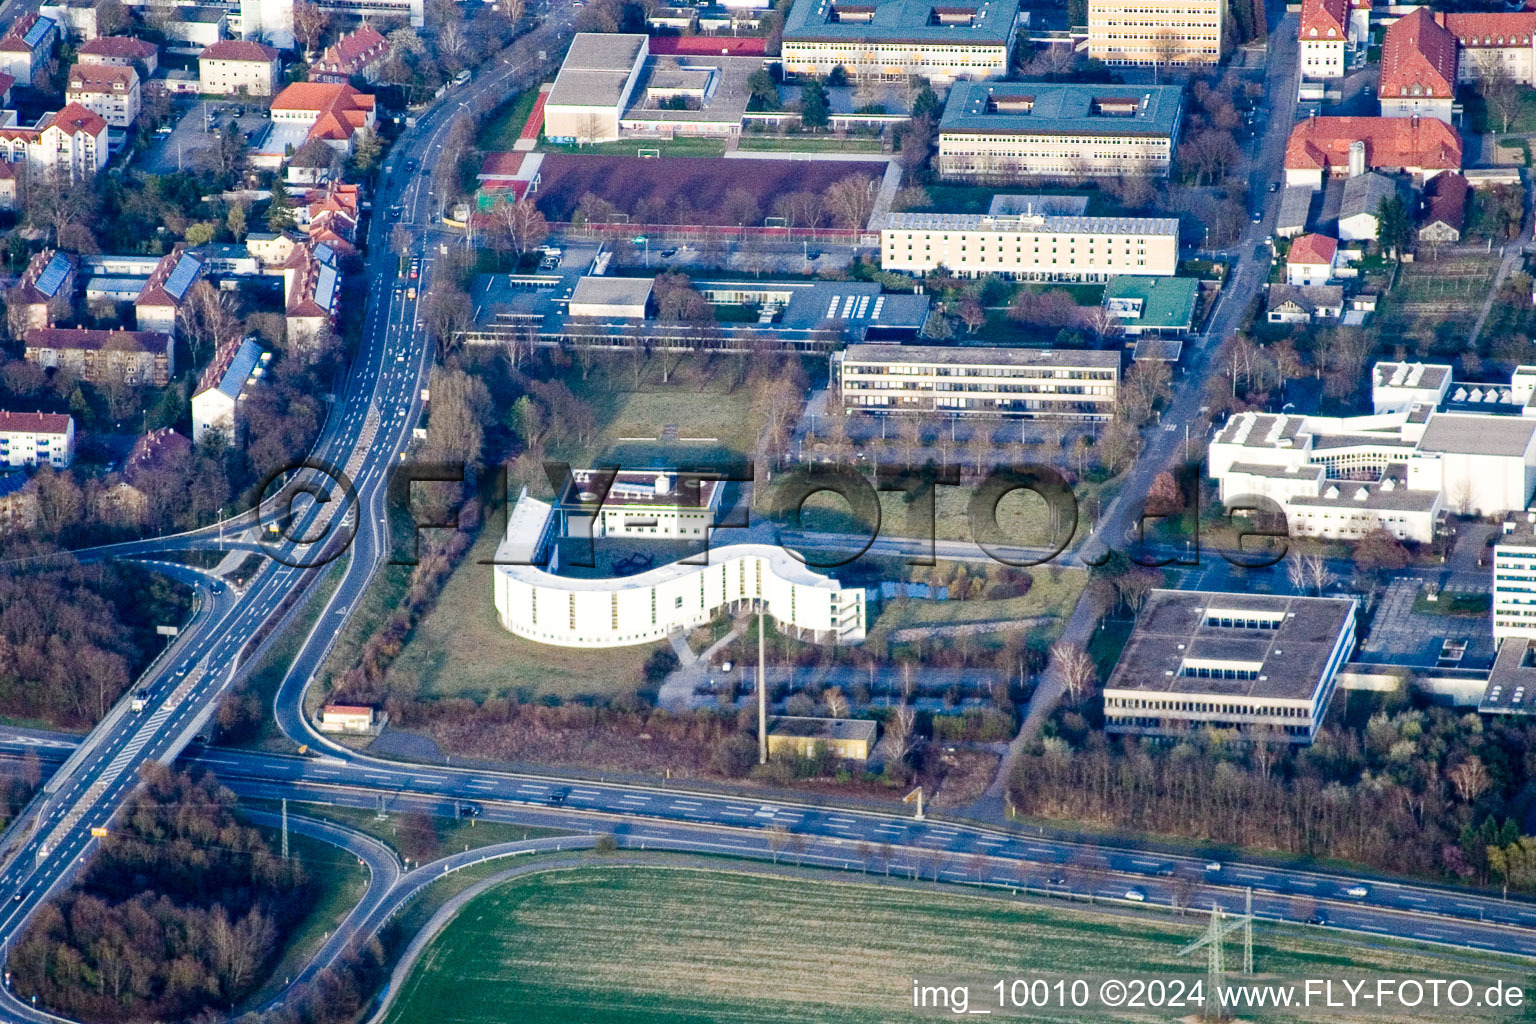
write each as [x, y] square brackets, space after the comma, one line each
[649, 154]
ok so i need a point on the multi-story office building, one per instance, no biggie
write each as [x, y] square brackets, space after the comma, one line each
[36, 439]
[1261, 666]
[1160, 32]
[1023, 382]
[1003, 130]
[1030, 247]
[896, 39]
[1514, 578]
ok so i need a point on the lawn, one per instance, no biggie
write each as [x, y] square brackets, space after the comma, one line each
[1478, 120]
[506, 123]
[642, 944]
[460, 649]
[808, 144]
[713, 416]
[1053, 595]
[683, 146]
[1466, 605]
[339, 882]
[1022, 516]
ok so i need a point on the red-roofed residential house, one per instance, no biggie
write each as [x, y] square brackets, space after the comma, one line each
[135, 357]
[8, 196]
[1418, 68]
[1311, 260]
[107, 89]
[74, 139]
[1421, 146]
[238, 66]
[330, 215]
[331, 112]
[1445, 209]
[1323, 35]
[36, 438]
[120, 51]
[356, 53]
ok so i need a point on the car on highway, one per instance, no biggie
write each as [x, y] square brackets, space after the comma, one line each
[412, 166]
[1213, 866]
[462, 78]
[469, 809]
[410, 294]
[557, 797]
[1135, 895]
[1258, 216]
[1058, 879]
[140, 700]
[1318, 918]
[1357, 892]
[813, 255]
[667, 254]
[415, 269]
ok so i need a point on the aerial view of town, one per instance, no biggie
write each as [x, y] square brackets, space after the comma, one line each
[756, 511]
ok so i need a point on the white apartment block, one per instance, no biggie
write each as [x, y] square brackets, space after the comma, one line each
[1162, 32]
[1429, 449]
[1261, 666]
[535, 602]
[897, 39]
[1005, 130]
[1022, 382]
[1514, 578]
[72, 141]
[36, 439]
[238, 67]
[1030, 247]
[108, 90]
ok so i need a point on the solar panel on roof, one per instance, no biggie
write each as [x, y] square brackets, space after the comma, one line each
[325, 286]
[182, 276]
[36, 33]
[53, 275]
[324, 253]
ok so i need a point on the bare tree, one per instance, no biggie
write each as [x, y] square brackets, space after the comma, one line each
[1076, 667]
[309, 25]
[852, 200]
[1470, 778]
[1497, 86]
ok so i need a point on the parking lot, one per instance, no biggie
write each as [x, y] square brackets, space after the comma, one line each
[190, 135]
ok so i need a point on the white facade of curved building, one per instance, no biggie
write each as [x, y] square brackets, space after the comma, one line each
[539, 605]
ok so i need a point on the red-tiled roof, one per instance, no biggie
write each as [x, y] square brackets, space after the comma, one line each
[352, 52]
[1323, 19]
[81, 338]
[152, 449]
[340, 109]
[695, 46]
[74, 119]
[124, 47]
[1419, 54]
[1445, 199]
[346, 709]
[34, 422]
[239, 49]
[1314, 249]
[1410, 142]
[1476, 30]
[101, 78]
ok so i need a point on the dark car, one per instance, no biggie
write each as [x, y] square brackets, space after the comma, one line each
[1058, 879]
[1318, 918]
[813, 255]
[469, 809]
[557, 797]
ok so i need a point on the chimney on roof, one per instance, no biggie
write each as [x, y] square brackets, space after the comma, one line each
[1356, 158]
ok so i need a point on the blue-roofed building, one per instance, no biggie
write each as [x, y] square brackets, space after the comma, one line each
[216, 403]
[167, 288]
[311, 287]
[1007, 130]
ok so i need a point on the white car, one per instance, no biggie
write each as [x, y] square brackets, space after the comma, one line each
[1357, 892]
[1136, 896]
[1214, 865]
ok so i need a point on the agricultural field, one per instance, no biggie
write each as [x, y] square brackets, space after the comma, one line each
[643, 944]
[682, 189]
[1435, 302]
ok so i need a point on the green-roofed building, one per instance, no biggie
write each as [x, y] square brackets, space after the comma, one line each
[1153, 305]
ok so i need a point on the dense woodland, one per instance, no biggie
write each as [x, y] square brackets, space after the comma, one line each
[181, 911]
[1398, 787]
[71, 639]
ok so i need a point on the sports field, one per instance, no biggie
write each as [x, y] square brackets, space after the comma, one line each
[652, 944]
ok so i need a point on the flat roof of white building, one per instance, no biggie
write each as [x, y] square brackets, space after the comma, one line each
[1026, 224]
[1478, 434]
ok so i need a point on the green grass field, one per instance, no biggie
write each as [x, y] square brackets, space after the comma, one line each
[455, 836]
[460, 649]
[684, 146]
[640, 944]
[808, 144]
[506, 122]
[1050, 598]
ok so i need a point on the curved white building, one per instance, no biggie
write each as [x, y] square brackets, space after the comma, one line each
[537, 604]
